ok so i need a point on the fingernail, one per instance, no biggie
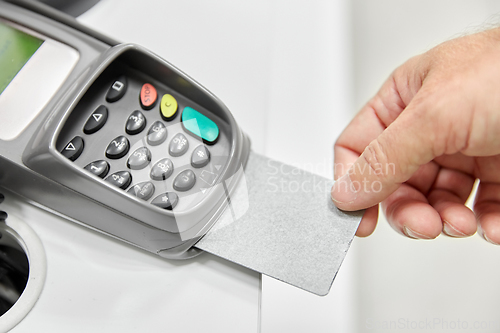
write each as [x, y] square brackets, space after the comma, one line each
[343, 191]
[413, 234]
[489, 240]
[451, 231]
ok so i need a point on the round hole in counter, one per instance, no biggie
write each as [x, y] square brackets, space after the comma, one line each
[14, 270]
[23, 268]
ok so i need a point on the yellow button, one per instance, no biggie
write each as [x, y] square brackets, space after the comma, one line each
[168, 107]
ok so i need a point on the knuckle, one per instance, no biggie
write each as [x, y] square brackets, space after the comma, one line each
[376, 159]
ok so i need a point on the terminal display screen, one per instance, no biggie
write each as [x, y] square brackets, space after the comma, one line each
[16, 48]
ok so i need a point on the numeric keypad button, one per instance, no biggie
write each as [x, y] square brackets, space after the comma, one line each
[179, 145]
[143, 190]
[184, 181]
[157, 133]
[118, 148]
[139, 159]
[166, 200]
[200, 157]
[136, 123]
[121, 179]
[162, 169]
[99, 168]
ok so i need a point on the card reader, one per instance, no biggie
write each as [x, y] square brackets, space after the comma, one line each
[119, 140]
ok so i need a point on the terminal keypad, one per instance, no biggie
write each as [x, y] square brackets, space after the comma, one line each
[164, 150]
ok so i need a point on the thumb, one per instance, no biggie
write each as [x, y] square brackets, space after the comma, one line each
[387, 162]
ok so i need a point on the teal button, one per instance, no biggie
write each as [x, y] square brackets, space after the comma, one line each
[200, 125]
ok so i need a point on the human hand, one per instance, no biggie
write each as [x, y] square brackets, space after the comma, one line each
[428, 134]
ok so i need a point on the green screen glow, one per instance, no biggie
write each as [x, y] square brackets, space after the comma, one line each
[16, 48]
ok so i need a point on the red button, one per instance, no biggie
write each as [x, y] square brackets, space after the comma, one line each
[148, 96]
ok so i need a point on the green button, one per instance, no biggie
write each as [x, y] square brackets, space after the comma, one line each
[200, 125]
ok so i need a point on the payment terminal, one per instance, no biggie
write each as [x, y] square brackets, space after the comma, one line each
[111, 135]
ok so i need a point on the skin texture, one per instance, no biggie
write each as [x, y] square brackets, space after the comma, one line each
[420, 143]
